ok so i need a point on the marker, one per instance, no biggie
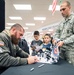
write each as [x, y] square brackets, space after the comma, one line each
[41, 65]
[31, 69]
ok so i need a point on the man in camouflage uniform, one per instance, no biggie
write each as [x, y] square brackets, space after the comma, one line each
[10, 53]
[65, 32]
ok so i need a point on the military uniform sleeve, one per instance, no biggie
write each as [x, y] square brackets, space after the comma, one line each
[7, 58]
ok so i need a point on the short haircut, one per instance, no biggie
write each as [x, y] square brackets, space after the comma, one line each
[36, 32]
[68, 3]
[49, 35]
[17, 26]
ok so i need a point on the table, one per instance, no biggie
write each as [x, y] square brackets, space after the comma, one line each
[62, 68]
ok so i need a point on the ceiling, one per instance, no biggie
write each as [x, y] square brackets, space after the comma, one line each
[39, 9]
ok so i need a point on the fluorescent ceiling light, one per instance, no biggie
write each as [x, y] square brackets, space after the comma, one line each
[15, 18]
[50, 30]
[25, 27]
[57, 7]
[39, 18]
[10, 24]
[22, 6]
[7, 27]
[30, 24]
[28, 32]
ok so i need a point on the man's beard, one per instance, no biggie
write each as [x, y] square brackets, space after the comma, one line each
[14, 40]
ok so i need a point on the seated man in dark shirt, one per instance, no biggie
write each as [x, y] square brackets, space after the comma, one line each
[23, 45]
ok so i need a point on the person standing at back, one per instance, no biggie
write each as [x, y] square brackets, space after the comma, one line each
[35, 42]
[65, 32]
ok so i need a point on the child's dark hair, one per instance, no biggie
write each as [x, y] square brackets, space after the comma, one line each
[36, 32]
[49, 37]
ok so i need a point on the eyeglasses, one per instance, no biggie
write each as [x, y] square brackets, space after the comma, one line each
[62, 9]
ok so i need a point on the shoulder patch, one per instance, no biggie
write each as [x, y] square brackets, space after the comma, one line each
[1, 43]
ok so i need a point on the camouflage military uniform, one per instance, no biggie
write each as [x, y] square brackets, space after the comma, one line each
[10, 54]
[65, 32]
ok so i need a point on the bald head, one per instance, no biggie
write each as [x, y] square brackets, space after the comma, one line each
[67, 3]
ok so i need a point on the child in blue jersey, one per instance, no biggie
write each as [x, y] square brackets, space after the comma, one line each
[49, 49]
[47, 43]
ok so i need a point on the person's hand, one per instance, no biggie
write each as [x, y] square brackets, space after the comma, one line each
[54, 41]
[33, 47]
[32, 59]
[60, 43]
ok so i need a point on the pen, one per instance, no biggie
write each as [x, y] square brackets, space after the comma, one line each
[31, 69]
[41, 65]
